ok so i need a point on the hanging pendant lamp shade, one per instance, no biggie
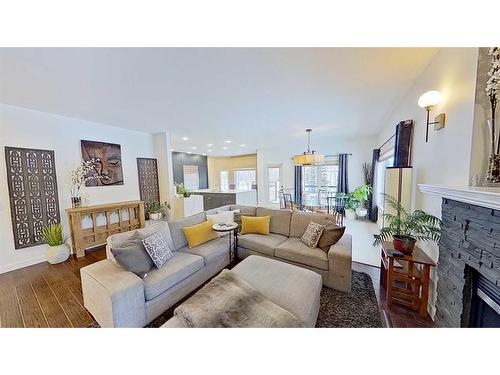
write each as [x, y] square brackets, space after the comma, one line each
[310, 156]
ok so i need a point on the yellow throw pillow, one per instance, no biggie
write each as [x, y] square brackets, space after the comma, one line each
[200, 233]
[258, 225]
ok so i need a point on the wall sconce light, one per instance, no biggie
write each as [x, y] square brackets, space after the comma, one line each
[427, 101]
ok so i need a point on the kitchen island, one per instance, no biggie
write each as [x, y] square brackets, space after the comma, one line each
[214, 199]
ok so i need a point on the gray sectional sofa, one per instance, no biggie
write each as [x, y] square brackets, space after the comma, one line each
[283, 243]
[119, 298]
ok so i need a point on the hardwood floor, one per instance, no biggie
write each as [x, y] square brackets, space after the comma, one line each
[395, 316]
[46, 295]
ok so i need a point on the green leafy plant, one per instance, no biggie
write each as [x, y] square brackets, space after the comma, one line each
[155, 207]
[53, 235]
[358, 197]
[417, 225]
[182, 190]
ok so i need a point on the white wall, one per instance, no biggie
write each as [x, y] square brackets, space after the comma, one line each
[446, 158]
[31, 129]
[360, 148]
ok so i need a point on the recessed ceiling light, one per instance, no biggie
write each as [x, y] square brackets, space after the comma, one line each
[172, 150]
[243, 145]
[204, 154]
[228, 141]
[194, 148]
[224, 148]
[209, 150]
[185, 138]
[210, 144]
[189, 152]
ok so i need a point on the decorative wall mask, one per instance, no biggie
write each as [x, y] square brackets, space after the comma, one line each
[107, 162]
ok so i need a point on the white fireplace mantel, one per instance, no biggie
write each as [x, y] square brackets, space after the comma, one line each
[484, 197]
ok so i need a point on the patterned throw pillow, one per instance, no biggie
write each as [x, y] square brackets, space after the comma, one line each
[157, 248]
[312, 234]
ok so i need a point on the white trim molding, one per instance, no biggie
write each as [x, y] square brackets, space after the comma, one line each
[479, 196]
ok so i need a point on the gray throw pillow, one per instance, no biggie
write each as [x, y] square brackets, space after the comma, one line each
[158, 250]
[312, 234]
[133, 256]
[331, 235]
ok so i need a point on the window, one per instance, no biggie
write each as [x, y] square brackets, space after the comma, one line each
[191, 177]
[273, 178]
[319, 182]
[386, 160]
[224, 180]
[244, 179]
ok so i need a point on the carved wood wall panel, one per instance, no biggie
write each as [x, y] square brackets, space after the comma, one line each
[149, 190]
[34, 203]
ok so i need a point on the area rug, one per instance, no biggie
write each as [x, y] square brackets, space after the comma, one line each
[357, 309]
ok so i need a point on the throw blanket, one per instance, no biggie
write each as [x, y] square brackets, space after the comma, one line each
[228, 301]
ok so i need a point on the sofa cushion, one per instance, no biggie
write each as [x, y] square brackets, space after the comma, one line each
[280, 220]
[178, 268]
[312, 234]
[157, 248]
[331, 235]
[200, 233]
[209, 250]
[244, 210]
[178, 237]
[300, 221]
[294, 250]
[116, 240]
[257, 225]
[133, 256]
[261, 243]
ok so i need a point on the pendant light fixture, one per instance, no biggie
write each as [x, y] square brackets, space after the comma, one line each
[308, 157]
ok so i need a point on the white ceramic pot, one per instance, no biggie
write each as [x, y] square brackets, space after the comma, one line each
[350, 214]
[57, 254]
[361, 212]
[156, 216]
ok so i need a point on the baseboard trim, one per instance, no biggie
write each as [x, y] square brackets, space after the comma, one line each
[24, 263]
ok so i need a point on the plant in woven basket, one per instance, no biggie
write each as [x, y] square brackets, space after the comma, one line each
[405, 228]
[53, 235]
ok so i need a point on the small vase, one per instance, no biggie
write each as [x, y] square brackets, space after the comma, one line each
[76, 202]
[493, 173]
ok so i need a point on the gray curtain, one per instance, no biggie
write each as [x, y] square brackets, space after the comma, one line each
[298, 184]
[342, 182]
[373, 209]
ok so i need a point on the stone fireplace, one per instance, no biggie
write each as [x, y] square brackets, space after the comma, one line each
[468, 288]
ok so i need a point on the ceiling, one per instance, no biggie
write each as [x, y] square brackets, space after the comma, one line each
[249, 96]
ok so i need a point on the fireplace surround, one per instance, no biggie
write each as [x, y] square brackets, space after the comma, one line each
[469, 256]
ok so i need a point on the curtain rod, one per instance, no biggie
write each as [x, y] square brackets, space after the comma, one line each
[386, 142]
[327, 156]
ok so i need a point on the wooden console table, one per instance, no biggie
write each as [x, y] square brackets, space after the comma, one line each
[103, 221]
[406, 278]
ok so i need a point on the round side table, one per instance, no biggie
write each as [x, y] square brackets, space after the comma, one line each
[232, 229]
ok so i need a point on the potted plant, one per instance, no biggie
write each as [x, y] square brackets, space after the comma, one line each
[182, 190]
[156, 210]
[356, 201]
[53, 236]
[406, 228]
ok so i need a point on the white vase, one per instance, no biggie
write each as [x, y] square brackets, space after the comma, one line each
[350, 214]
[155, 216]
[361, 212]
[57, 254]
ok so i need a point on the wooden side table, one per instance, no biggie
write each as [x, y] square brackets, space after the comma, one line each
[406, 278]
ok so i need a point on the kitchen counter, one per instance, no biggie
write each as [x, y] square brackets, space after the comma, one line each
[214, 199]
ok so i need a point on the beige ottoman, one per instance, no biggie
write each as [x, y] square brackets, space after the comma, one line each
[295, 289]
